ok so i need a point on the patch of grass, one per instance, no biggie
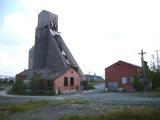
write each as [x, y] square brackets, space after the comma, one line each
[79, 102]
[70, 102]
[4, 116]
[151, 93]
[24, 106]
[121, 114]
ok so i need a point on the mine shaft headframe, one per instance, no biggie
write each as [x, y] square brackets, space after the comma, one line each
[48, 20]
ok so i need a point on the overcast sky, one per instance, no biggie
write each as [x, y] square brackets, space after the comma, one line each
[97, 32]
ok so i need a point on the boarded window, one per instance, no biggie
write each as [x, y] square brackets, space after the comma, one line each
[65, 81]
[72, 81]
[113, 86]
[124, 80]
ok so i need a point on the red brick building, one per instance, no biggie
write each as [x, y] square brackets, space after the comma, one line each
[61, 81]
[118, 76]
[67, 82]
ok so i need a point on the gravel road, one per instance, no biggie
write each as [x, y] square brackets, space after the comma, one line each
[99, 102]
[102, 97]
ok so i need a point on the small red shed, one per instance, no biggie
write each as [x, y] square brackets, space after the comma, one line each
[118, 76]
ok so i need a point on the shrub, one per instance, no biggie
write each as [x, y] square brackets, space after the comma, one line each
[88, 85]
[17, 87]
[137, 83]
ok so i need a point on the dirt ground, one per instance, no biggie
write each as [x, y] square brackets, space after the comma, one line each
[97, 102]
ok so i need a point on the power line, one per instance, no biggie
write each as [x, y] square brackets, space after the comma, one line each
[4, 72]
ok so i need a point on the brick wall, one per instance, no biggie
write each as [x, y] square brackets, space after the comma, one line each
[59, 82]
[121, 70]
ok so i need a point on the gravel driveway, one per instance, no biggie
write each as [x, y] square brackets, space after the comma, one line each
[106, 97]
[99, 102]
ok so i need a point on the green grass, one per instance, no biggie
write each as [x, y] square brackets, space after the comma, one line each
[24, 106]
[121, 114]
[70, 102]
[151, 93]
[79, 102]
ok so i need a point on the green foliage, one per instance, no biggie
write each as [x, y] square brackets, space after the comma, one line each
[137, 84]
[23, 107]
[151, 93]
[4, 116]
[121, 114]
[79, 102]
[17, 87]
[153, 77]
[95, 82]
[155, 73]
[4, 86]
[32, 86]
[70, 102]
[88, 85]
[36, 83]
[37, 86]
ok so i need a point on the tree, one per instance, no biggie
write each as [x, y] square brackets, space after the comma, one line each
[137, 83]
[155, 72]
[18, 87]
[36, 84]
[88, 85]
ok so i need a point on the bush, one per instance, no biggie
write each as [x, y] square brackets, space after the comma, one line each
[137, 83]
[88, 85]
[17, 87]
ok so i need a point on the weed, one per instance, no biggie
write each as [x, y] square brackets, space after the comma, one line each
[121, 114]
[79, 102]
[150, 93]
[70, 102]
[24, 106]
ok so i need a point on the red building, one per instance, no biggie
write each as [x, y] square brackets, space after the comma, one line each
[67, 82]
[118, 76]
[61, 81]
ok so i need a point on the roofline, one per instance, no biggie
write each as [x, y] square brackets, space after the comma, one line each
[124, 62]
[50, 79]
[48, 12]
[64, 73]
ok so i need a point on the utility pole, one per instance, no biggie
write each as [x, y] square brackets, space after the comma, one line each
[158, 67]
[153, 63]
[143, 68]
